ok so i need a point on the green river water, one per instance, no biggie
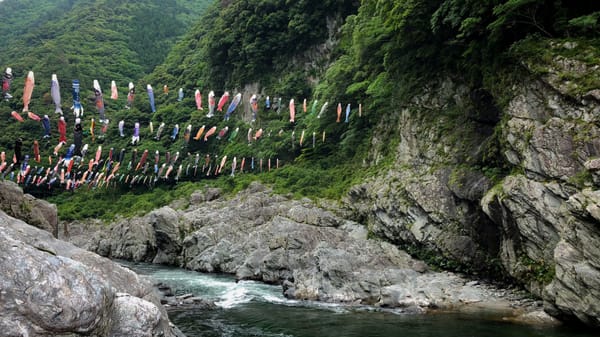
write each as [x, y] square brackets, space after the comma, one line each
[253, 309]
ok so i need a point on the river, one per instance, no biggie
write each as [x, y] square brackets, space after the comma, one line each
[249, 308]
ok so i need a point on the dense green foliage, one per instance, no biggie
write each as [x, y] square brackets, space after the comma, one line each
[256, 41]
[111, 202]
[390, 49]
[376, 53]
[85, 40]
[402, 43]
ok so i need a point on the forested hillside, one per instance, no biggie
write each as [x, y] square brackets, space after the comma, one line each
[118, 41]
[86, 40]
[378, 54]
[93, 39]
[275, 43]
[369, 58]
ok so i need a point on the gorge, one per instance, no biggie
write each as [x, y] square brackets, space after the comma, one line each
[466, 176]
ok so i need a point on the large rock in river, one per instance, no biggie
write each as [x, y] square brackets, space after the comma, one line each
[52, 288]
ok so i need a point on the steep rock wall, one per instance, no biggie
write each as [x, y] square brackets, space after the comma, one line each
[550, 207]
[429, 196]
[539, 224]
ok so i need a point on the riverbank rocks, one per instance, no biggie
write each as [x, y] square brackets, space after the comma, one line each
[52, 288]
[313, 253]
[36, 212]
[153, 238]
[185, 301]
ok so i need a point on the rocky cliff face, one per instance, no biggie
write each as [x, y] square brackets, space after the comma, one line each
[52, 288]
[541, 222]
[430, 196]
[550, 209]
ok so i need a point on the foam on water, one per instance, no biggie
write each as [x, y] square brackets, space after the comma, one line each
[228, 293]
[247, 291]
[224, 290]
[234, 296]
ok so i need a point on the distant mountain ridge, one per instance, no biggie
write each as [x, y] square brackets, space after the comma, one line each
[86, 39]
[82, 39]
